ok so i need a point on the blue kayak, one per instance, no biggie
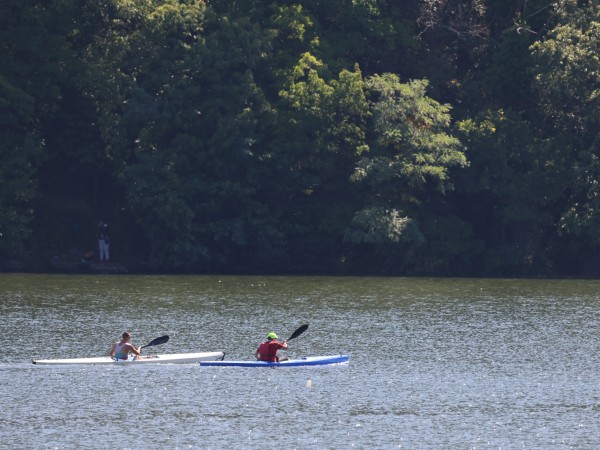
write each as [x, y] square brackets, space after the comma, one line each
[308, 361]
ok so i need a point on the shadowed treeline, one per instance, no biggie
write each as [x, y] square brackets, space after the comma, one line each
[312, 136]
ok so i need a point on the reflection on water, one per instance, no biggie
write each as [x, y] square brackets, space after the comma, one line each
[434, 363]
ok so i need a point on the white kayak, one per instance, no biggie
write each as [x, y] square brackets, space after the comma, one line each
[173, 358]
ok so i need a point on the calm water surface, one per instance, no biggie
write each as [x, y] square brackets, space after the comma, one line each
[434, 363]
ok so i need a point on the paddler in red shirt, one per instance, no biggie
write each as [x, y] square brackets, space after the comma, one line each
[267, 350]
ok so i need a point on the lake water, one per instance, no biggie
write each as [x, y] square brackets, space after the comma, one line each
[434, 363]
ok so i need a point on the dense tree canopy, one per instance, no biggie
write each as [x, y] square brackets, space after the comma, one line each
[308, 136]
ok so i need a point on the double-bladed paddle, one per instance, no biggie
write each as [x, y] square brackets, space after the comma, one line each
[298, 332]
[157, 341]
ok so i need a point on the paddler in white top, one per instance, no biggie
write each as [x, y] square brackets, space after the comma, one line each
[121, 349]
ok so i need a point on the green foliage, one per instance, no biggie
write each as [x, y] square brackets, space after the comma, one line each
[291, 23]
[568, 78]
[376, 226]
[411, 154]
[321, 131]
[567, 72]
[507, 190]
[19, 150]
[240, 136]
[35, 58]
[413, 145]
[329, 114]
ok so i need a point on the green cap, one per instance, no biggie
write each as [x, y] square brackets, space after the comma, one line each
[271, 335]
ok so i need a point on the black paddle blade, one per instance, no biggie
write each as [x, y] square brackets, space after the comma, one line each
[298, 332]
[157, 341]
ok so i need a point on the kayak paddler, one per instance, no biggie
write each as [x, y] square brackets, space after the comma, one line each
[267, 350]
[122, 348]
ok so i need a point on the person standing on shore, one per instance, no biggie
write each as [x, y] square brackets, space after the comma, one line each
[103, 241]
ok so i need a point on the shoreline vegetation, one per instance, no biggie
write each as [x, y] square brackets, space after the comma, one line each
[308, 137]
